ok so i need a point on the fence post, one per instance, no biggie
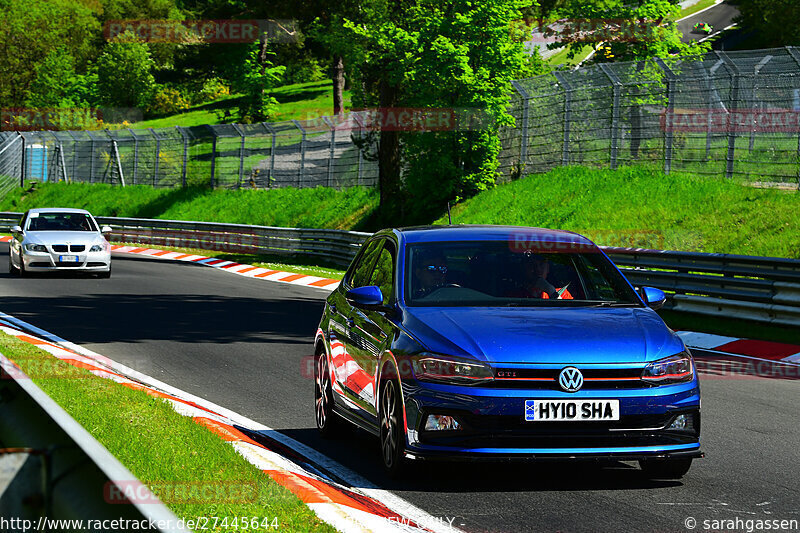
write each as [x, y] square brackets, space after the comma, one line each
[332, 126]
[271, 153]
[734, 70]
[158, 154]
[23, 161]
[213, 153]
[91, 156]
[616, 88]
[302, 171]
[523, 148]
[766, 59]
[241, 154]
[668, 133]
[796, 56]
[185, 154]
[357, 118]
[135, 154]
[567, 115]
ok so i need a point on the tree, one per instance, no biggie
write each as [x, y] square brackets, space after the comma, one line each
[772, 22]
[256, 76]
[457, 55]
[124, 73]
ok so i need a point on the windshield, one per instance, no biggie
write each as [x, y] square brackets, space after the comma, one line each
[61, 222]
[477, 273]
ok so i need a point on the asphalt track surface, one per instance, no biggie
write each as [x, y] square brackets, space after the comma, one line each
[719, 17]
[241, 343]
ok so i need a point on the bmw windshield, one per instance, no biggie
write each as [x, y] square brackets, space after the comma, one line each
[491, 273]
[61, 222]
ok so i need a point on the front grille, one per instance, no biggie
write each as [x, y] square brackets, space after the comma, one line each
[547, 379]
[77, 248]
[60, 248]
[72, 264]
[39, 264]
[95, 264]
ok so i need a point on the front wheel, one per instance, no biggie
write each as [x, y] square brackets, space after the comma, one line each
[11, 268]
[328, 423]
[665, 468]
[392, 434]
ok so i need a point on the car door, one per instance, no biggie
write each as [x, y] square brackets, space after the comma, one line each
[370, 330]
[339, 323]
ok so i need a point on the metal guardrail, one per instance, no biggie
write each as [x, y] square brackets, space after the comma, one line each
[762, 289]
[52, 469]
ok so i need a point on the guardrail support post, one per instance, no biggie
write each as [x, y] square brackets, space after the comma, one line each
[616, 85]
[567, 116]
[523, 147]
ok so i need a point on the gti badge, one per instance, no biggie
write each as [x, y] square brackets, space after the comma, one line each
[570, 379]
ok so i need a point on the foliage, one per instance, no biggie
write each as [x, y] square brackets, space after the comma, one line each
[168, 101]
[774, 22]
[454, 54]
[124, 73]
[255, 77]
[213, 89]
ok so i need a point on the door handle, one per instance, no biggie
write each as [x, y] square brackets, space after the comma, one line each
[350, 322]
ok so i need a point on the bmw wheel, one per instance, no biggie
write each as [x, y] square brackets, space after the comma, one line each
[11, 268]
[665, 468]
[392, 434]
[327, 422]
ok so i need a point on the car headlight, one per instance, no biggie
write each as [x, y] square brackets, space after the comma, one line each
[429, 367]
[36, 247]
[97, 248]
[673, 369]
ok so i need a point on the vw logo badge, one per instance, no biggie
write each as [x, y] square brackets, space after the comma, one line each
[570, 379]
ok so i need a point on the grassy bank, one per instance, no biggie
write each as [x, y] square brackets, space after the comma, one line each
[305, 208]
[159, 446]
[637, 206]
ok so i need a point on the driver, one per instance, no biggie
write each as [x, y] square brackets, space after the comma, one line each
[430, 272]
[536, 284]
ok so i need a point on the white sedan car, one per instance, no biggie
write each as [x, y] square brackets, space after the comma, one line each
[55, 239]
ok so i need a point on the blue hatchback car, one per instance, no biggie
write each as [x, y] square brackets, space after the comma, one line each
[490, 342]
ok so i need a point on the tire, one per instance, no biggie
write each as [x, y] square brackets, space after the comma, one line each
[22, 271]
[392, 435]
[328, 423]
[665, 468]
[14, 271]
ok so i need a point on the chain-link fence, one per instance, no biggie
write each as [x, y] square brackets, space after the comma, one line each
[723, 114]
[734, 114]
[310, 153]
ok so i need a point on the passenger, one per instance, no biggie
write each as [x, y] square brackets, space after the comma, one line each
[536, 284]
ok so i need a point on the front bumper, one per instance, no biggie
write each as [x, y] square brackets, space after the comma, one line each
[493, 424]
[50, 261]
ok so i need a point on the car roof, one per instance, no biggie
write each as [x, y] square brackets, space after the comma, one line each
[475, 232]
[57, 210]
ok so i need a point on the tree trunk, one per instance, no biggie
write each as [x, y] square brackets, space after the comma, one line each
[338, 85]
[389, 159]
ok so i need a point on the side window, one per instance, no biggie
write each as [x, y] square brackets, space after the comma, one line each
[362, 269]
[383, 275]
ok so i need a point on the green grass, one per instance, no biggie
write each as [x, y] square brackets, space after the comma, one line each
[560, 57]
[637, 206]
[287, 207]
[691, 10]
[159, 446]
[299, 101]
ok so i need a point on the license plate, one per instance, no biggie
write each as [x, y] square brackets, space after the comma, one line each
[67, 258]
[570, 410]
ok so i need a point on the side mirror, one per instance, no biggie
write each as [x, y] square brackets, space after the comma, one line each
[654, 298]
[369, 296]
[105, 230]
[16, 229]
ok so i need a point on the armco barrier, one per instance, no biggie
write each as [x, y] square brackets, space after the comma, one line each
[51, 468]
[763, 289]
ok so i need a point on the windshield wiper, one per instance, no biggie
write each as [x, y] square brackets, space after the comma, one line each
[613, 304]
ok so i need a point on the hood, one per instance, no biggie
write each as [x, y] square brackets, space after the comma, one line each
[63, 237]
[544, 335]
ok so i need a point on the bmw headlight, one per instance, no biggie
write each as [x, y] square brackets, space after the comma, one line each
[97, 248]
[36, 247]
[676, 368]
[430, 367]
